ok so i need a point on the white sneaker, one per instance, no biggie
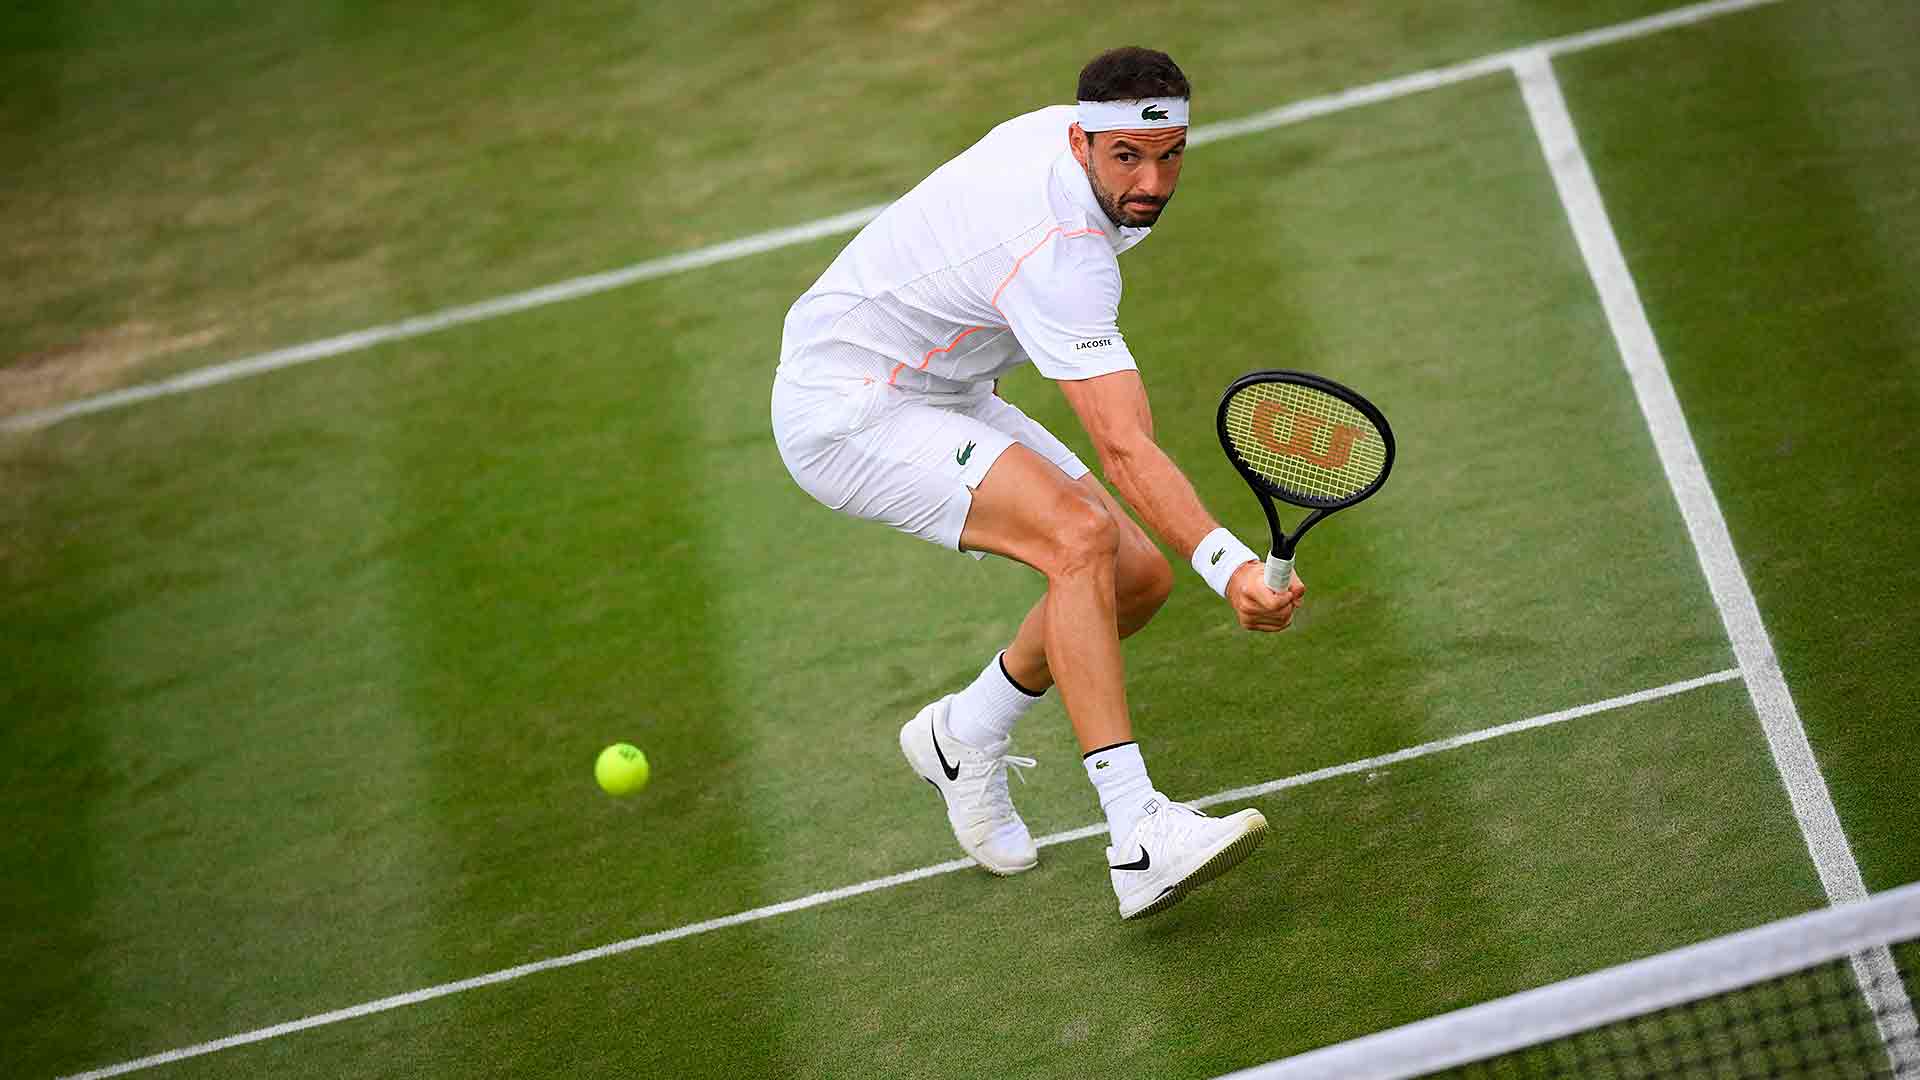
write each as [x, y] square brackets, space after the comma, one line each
[1174, 850]
[973, 781]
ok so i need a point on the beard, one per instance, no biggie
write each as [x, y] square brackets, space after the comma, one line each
[1139, 213]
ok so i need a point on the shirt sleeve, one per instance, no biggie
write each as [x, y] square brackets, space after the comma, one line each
[1062, 302]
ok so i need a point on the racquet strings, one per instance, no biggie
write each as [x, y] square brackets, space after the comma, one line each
[1313, 447]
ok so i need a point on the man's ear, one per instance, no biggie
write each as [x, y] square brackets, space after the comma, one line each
[1079, 143]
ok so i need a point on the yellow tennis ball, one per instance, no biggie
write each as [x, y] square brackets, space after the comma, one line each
[622, 769]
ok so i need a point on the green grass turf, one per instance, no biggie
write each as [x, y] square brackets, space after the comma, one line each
[1774, 229]
[473, 557]
[311, 671]
[1450, 879]
[200, 180]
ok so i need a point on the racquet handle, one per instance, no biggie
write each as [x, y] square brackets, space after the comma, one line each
[1279, 572]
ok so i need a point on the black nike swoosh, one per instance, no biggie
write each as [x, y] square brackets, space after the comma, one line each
[953, 771]
[1138, 864]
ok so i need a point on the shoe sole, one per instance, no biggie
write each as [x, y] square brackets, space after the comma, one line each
[1222, 861]
[924, 771]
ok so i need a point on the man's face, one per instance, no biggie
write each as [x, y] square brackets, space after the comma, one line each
[1133, 173]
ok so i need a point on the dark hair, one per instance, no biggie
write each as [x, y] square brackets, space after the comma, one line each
[1130, 73]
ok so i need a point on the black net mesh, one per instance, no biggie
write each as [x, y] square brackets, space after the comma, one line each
[1814, 1023]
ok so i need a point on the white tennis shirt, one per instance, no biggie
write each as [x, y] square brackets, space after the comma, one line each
[1000, 257]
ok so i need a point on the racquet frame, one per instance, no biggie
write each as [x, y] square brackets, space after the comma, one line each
[1280, 557]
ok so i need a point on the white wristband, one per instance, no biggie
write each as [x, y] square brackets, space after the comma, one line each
[1218, 556]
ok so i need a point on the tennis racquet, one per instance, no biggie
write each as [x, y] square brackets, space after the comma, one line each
[1307, 441]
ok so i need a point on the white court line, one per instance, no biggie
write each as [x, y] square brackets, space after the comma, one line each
[1493, 63]
[760, 243]
[573, 289]
[877, 884]
[1687, 476]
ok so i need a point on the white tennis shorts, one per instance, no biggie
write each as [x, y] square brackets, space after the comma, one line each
[900, 458]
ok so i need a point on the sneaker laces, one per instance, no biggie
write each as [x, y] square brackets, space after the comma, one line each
[993, 767]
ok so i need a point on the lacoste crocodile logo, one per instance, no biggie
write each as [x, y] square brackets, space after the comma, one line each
[961, 456]
[1151, 113]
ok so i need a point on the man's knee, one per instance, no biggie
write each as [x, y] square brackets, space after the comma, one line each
[1083, 533]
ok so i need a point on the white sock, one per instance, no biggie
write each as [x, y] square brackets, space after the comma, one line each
[985, 712]
[1120, 778]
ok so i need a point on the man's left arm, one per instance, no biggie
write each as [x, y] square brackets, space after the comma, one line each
[1114, 410]
[1064, 310]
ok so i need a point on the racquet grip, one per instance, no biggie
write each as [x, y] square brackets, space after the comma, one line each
[1279, 572]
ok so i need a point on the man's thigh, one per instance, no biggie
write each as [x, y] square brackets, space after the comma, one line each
[1026, 504]
[909, 465]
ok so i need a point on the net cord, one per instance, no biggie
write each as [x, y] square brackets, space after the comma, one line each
[1633, 989]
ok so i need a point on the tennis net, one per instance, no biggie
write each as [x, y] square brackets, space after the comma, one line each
[1825, 994]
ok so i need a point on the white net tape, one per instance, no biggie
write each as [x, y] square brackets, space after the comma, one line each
[1861, 933]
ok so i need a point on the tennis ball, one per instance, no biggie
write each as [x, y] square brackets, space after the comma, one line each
[622, 769]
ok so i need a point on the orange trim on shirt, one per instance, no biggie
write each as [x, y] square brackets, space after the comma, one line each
[1057, 230]
[931, 353]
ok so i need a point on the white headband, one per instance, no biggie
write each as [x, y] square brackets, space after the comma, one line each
[1144, 114]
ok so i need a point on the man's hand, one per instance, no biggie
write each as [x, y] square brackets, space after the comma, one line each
[1259, 607]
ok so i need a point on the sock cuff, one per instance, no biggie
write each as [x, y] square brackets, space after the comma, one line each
[1115, 770]
[1104, 749]
[987, 710]
[1001, 659]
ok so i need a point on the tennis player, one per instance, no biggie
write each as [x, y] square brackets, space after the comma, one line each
[884, 407]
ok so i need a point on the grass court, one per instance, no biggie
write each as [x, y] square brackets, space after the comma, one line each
[304, 674]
